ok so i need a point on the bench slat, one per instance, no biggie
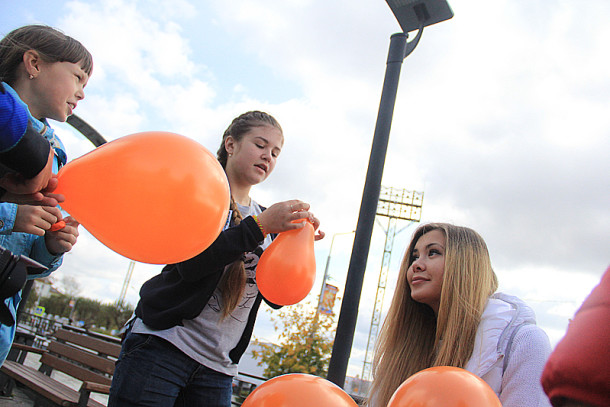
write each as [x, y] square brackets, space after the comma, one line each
[99, 345]
[49, 388]
[82, 356]
[73, 370]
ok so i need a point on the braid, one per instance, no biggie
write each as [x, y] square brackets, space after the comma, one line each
[233, 280]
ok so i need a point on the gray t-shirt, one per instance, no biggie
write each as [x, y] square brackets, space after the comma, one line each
[208, 338]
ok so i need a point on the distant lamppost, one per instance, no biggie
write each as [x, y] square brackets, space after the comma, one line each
[326, 269]
[411, 15]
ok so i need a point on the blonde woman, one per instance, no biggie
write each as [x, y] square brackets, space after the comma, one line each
[446, 312]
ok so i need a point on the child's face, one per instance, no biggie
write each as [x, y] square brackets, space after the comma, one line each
[253, 158]
[58, 88]
[425, 275]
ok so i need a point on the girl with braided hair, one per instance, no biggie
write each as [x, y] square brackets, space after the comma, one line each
[194, 320]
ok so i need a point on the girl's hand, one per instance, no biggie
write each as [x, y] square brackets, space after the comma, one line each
[36, 219]
[278, 217]
[61, 241]
[45, 197]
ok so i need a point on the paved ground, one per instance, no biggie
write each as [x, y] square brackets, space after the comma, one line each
[19, 399]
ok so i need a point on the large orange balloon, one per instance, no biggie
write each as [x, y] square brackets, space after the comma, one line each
[444, 386]
[286, 270]
[154, 197]
[298, 390]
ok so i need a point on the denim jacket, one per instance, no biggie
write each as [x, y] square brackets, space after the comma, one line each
[24, 243]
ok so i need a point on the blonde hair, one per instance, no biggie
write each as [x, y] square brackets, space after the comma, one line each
[412, 337]
[233, 280]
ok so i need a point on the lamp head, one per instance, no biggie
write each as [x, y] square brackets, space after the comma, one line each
[413, 14]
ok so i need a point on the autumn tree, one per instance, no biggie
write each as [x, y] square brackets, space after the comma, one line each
[305, 342]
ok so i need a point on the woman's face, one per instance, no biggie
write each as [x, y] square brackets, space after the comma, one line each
[425, 274]
[253, 157]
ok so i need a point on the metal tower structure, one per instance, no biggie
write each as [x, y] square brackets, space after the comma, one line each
[123, 293]
[394, 204]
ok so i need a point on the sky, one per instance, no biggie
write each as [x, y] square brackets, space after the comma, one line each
[501, 120]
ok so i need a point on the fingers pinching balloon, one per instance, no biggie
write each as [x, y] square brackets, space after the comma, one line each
[154, 197]
[286, 270]
[298, 390]
[444, 386]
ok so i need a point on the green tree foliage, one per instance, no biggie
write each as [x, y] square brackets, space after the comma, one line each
[92, 312]
[56, 304]
[306, 342]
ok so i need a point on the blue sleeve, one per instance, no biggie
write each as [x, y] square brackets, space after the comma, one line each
[41, 254]
[8, 212]
[22, 149]
[13, 121]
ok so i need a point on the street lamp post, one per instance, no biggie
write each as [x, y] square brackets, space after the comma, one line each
[411, 15]
[332, 241]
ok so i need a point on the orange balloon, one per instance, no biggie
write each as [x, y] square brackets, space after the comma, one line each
[298, 390]
[287, 268]
[154, 197]
[444, 386]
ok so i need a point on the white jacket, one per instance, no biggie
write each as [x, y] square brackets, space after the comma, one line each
[510, 352]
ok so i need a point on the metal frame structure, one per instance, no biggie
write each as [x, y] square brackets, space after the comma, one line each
[395, 204]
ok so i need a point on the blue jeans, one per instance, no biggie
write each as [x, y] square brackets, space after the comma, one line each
[153, 372]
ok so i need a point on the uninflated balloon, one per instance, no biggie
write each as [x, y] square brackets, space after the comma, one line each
[154, 197]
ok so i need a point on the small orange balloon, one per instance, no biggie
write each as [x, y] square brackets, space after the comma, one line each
[58, 226]
[286, 270]
[154, 197]
[444, 386]
[298, 390]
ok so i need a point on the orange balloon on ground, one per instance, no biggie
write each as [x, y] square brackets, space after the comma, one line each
[444, 386]
[286, 270]
[154, 197]
[298, 390]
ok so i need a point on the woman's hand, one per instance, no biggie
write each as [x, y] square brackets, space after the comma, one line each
[35, 219]
[62, 240]
[280, 216]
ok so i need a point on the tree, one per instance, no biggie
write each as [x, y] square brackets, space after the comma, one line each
[70, 286]
[91, 312]
[306, 342]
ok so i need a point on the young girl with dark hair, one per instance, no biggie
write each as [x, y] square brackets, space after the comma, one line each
[44, 71]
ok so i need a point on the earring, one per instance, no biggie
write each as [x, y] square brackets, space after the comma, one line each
[230, 154]
[31, 76]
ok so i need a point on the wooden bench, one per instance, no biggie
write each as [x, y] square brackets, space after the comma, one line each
[87, 358]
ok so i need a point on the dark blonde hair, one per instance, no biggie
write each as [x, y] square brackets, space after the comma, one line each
[51, 45]
[234, 279]
[410, 338]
